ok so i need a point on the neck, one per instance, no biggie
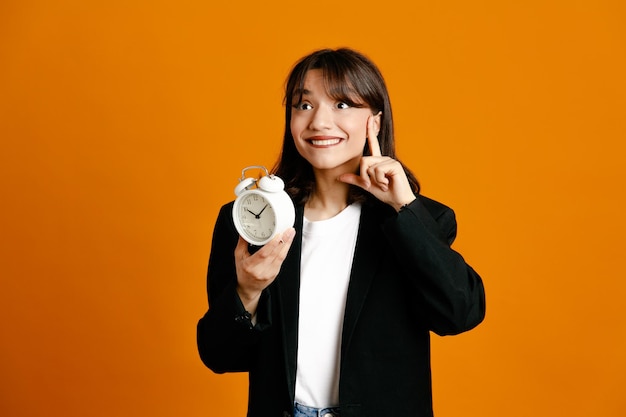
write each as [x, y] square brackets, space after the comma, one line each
[328, 199]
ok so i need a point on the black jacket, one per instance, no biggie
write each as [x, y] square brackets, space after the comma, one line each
[405, 282]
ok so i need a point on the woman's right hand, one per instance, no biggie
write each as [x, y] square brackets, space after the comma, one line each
[257, 271]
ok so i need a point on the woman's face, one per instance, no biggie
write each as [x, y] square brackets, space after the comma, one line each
[329, 134]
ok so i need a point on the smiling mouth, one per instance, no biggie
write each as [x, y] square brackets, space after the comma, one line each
[324, 141]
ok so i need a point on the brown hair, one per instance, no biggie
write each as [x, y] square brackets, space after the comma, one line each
[348, 75]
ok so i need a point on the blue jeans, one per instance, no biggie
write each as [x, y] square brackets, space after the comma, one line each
[300, 410]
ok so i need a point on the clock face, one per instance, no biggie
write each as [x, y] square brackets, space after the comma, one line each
[256, 216]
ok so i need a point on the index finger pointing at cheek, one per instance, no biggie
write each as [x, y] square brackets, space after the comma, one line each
[372, 138]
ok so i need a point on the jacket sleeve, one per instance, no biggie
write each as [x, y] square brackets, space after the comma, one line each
[226, 337]
[451, 292]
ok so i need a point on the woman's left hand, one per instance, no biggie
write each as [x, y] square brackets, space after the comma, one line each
[382, 176]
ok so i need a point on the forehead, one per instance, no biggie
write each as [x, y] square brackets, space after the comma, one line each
[322, 83]
[314, 83]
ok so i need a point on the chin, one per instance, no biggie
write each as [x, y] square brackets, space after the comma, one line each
[341, 166]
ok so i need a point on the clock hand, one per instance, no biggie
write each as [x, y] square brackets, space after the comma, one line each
[255, 215]
[258, 215]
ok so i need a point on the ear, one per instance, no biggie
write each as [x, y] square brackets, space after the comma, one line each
[377, 120]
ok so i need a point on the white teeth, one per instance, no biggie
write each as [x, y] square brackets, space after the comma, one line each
[325, 142]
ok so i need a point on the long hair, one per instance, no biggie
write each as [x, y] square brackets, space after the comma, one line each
[347, 74]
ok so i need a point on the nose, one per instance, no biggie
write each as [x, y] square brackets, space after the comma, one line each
[322, 118]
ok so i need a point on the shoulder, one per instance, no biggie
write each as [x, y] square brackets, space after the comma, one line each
[425, 212]
[443, 215]
[435, 208]
[225, 215]
[226, 209]
[224, 225]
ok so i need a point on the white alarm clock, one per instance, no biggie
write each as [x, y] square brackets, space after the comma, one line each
[262, 212]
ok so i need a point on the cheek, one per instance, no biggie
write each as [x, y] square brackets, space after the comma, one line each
[296, 141]
[297, 125]
[358, 129]
[360, 145]
[296, 130]
[358, 136]
[292, 128]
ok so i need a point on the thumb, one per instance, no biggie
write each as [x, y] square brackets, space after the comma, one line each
[354, 179]
[241, 250]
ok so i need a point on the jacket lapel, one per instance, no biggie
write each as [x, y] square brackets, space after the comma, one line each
[288, 283]
[364, 267]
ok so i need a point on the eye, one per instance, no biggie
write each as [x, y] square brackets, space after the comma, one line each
[342, 105]
[302, 106]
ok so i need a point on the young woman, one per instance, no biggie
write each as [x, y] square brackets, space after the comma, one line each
[333, 316]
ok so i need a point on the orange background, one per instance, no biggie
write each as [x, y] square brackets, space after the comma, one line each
[124, 127]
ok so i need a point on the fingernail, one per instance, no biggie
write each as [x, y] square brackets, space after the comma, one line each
[289, 234]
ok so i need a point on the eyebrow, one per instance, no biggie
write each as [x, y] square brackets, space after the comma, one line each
[302, 92]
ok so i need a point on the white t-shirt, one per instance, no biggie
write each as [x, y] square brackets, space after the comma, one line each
[326, 262]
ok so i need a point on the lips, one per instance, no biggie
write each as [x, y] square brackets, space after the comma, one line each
[324, 141]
